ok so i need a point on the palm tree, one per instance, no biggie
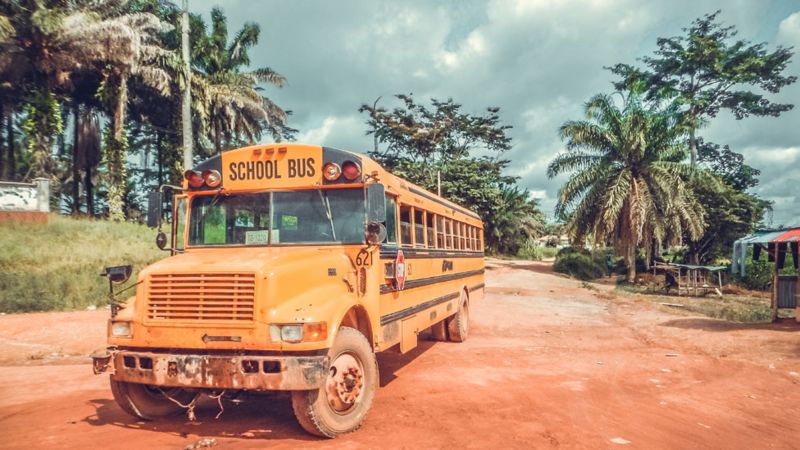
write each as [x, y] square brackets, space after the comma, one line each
[515, 219]
[47, 44]
[234, 107]
[627, 178]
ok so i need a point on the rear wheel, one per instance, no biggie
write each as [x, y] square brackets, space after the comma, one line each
[341, 404]
[149, 402]
[458, 325]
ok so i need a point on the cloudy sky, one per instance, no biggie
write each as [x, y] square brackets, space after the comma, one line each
[538, 60]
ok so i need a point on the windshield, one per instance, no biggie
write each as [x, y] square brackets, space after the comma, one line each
[298, 217]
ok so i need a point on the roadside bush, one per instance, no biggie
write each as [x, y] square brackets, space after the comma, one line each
[578, 263]
[530, 250]
[758, 275]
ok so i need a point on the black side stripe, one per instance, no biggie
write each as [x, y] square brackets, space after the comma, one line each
[445, 204]
[411, 284]
[409, 253]
[415, 309]
[476, 287]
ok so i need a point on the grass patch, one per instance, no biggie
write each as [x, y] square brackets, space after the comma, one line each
[56, 267]
[532, 251]
[733, 308]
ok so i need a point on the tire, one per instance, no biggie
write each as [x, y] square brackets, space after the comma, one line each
[147, 402]
[458, 325]
[341, 404]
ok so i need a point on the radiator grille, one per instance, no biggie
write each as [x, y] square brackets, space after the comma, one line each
[201, 297]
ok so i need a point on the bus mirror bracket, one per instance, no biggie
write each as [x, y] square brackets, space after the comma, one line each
[376, 203]
[155, 213]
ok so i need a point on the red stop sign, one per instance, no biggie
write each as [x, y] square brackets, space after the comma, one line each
[400, 270]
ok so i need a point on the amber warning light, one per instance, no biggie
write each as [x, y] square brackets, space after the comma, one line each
[349, 169]
[210, 178]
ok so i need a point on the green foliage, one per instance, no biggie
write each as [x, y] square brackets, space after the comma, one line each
[120, 58]
[729, 214]
[578, 263]
[56, 266]
[627, 179]
[234, 108]
[758, 275]
[531, 250]
[422, 141]
[42, 123]
[706, 70]
[728, 165]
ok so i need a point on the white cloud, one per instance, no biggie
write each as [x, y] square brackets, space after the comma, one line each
[789, 30]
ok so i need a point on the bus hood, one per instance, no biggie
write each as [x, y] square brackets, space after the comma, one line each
[263, 261]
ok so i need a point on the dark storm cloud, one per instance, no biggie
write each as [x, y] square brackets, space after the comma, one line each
[539, 60]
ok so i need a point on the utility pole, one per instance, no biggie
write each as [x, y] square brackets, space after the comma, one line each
[186, 106]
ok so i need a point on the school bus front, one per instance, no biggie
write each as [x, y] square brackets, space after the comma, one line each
[274, 283]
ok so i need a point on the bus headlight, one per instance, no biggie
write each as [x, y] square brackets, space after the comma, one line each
[298, 332]
[121, 329]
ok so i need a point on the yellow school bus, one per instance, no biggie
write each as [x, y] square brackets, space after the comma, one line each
[291, 266]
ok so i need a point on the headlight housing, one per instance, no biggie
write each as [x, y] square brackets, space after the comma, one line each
[298, 332]
[121, 329]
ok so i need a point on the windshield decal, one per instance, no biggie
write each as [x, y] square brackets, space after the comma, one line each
[258, 237]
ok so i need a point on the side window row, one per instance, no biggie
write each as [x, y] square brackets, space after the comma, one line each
[423, 229]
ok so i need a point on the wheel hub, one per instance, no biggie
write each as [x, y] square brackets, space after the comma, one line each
[344, 383]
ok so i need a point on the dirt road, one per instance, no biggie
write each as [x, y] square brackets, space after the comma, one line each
[549, 363]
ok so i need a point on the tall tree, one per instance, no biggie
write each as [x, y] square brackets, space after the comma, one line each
[730, 211]
[421, 142]
[708, 69]
[627, 179]
[237, 111]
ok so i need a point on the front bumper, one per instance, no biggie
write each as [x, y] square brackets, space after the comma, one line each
[260, 373]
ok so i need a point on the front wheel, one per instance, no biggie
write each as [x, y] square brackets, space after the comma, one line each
[341, 404]
[149, 402]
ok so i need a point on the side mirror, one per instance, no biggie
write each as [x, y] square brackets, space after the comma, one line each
[161, 240]
[376, 203]
[154, 202]
[376, 233]
[117, 274]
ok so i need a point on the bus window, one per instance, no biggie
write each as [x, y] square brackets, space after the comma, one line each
[429, 224]
[462, 236]
[455, 235]
[419, 228]
[439, 232]
[469, 237]
[391, 220]
[472, 235]
[448, 231]
[405, 225]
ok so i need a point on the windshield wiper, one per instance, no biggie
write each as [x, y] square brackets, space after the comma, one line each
[327, 204]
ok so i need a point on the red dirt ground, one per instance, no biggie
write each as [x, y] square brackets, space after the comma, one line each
[549, 363]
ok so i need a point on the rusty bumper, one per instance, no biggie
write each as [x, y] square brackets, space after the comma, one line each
[214, 371]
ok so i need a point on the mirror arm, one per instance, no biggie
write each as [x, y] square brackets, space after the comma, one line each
[161, 189]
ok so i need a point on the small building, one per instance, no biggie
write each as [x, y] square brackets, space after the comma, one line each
[25, 202]
[777, 244]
